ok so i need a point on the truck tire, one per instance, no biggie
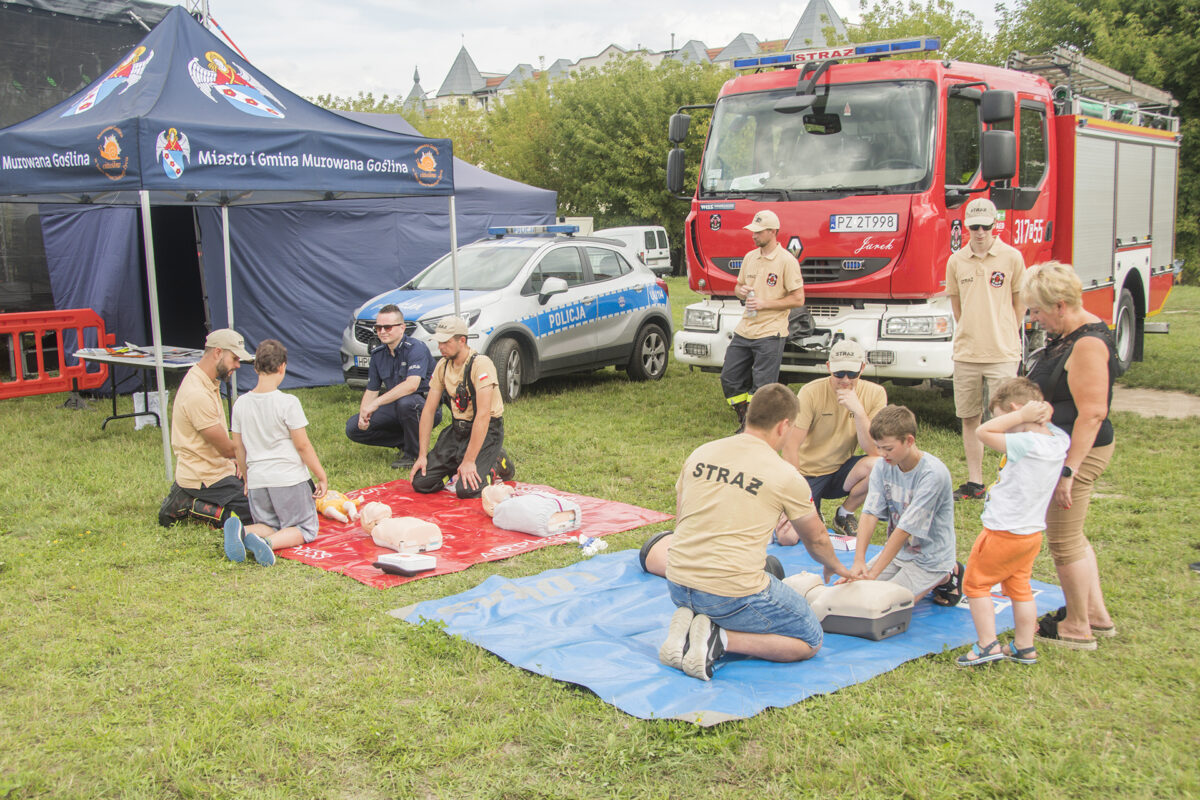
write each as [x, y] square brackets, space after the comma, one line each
[506, 354]
[648, 361]
[1125, 329]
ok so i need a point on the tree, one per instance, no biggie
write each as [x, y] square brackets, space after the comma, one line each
[364, 102]
[1155, 42]
[961, 32]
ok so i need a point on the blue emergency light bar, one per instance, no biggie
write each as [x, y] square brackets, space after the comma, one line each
[921, 44]
[530, 230]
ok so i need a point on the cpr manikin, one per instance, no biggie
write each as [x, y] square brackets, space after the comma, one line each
[402, 534]
[336, 505]
[870, 609]
[535, 513]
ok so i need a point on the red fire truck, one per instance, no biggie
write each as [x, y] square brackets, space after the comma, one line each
[869, 166]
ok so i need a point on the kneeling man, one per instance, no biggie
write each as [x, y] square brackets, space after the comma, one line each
[729, 497]
[470, 450]
[835, 420]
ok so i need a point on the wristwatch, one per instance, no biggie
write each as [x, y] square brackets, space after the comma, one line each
[1067, 472]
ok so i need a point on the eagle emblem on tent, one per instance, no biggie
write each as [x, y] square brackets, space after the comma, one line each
[220, 78]
[172, 149]
[126, 74]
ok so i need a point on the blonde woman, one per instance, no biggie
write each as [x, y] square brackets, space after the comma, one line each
[1075, 371]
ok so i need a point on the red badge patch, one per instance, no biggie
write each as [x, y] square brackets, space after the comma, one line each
[997, 279]
[772, 279]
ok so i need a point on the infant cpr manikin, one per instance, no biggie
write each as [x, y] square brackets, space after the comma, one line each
[402, 534]
[869, 609]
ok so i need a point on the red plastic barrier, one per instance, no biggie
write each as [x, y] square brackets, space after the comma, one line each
[25, 332]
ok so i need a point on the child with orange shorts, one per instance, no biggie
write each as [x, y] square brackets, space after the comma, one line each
[1014, 516]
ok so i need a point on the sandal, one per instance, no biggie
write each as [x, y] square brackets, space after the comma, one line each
[949, 593]
[986, 655]
[1048, 632]
[1021, 655]
[1104, 632]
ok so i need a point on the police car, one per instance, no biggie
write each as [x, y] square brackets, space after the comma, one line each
[536, 305]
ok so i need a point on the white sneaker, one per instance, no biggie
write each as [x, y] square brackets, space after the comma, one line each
[671, 652]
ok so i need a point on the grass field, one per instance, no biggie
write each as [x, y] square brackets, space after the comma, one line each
[137, 662]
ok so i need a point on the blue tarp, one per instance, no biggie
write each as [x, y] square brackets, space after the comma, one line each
[599, 624]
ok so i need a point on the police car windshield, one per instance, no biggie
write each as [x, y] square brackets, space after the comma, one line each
[877, 135]
[483, 268]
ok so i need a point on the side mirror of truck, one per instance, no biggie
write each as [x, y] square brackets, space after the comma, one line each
[675, 171]
[677, 129]
[997, 106]
[998, 156]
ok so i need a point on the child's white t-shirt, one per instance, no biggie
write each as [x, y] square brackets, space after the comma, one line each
[265, 421]
[1032, 465]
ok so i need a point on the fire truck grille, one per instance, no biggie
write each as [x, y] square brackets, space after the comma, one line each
[831, 270]
[822, 311]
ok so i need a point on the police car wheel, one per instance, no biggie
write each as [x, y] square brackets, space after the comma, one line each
[510, 367]
[648, 362]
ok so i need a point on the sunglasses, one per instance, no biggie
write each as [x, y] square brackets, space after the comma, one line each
[980, 227]
[845, 373]
[381, 328]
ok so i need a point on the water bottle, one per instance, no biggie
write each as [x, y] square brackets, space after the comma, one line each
[749, 313]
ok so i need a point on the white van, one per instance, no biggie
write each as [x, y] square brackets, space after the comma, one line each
[648, 241]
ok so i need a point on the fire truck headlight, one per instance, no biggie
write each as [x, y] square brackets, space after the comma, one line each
[700, 319]
[939, 327]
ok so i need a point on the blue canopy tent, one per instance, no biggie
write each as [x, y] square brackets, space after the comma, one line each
[183, 120]
[347, 251]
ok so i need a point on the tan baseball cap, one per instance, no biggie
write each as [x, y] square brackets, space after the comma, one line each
[231, 340]
[764, 221]
[980, 211]
[449, 327]
[847, 356]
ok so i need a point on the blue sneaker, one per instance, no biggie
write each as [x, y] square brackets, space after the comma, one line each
[259, 548]
[235, 550]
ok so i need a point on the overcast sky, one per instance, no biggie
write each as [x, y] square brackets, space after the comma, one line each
[318, 46]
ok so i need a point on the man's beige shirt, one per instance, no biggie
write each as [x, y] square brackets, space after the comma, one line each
[197, 406]
[832, 437]
[731, 493]
[987, 331]
[483, 373]
[771, 277]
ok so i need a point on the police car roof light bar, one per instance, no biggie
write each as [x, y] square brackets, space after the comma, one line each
[892, 47]
[531, 230]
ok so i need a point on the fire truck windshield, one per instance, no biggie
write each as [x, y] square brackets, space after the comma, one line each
[860, 137]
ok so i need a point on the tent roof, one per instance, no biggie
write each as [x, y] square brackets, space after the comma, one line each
[693, 52]
[810, 30]
[744, 44]
[190, 121]
[463, 77]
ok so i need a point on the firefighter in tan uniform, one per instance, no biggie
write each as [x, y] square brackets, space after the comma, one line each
[771, 285]
[730, 496]
[983, 281]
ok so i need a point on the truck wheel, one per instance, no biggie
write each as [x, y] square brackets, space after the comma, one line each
[648, 361]
[510, 367]
[1125, 329]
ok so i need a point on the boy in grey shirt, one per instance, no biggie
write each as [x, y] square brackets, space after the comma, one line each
[913, 492]
[275, 456]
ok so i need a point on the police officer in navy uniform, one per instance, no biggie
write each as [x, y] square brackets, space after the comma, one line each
[397, 383]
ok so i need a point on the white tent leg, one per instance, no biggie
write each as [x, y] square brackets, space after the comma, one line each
[228, 291]
[156, 331]
[454, 255]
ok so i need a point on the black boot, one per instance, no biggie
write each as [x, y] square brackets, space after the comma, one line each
[740, 410]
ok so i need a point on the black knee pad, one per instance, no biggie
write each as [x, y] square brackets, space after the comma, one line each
[653, 540]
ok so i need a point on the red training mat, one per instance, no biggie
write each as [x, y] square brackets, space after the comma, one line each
[468, 535]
